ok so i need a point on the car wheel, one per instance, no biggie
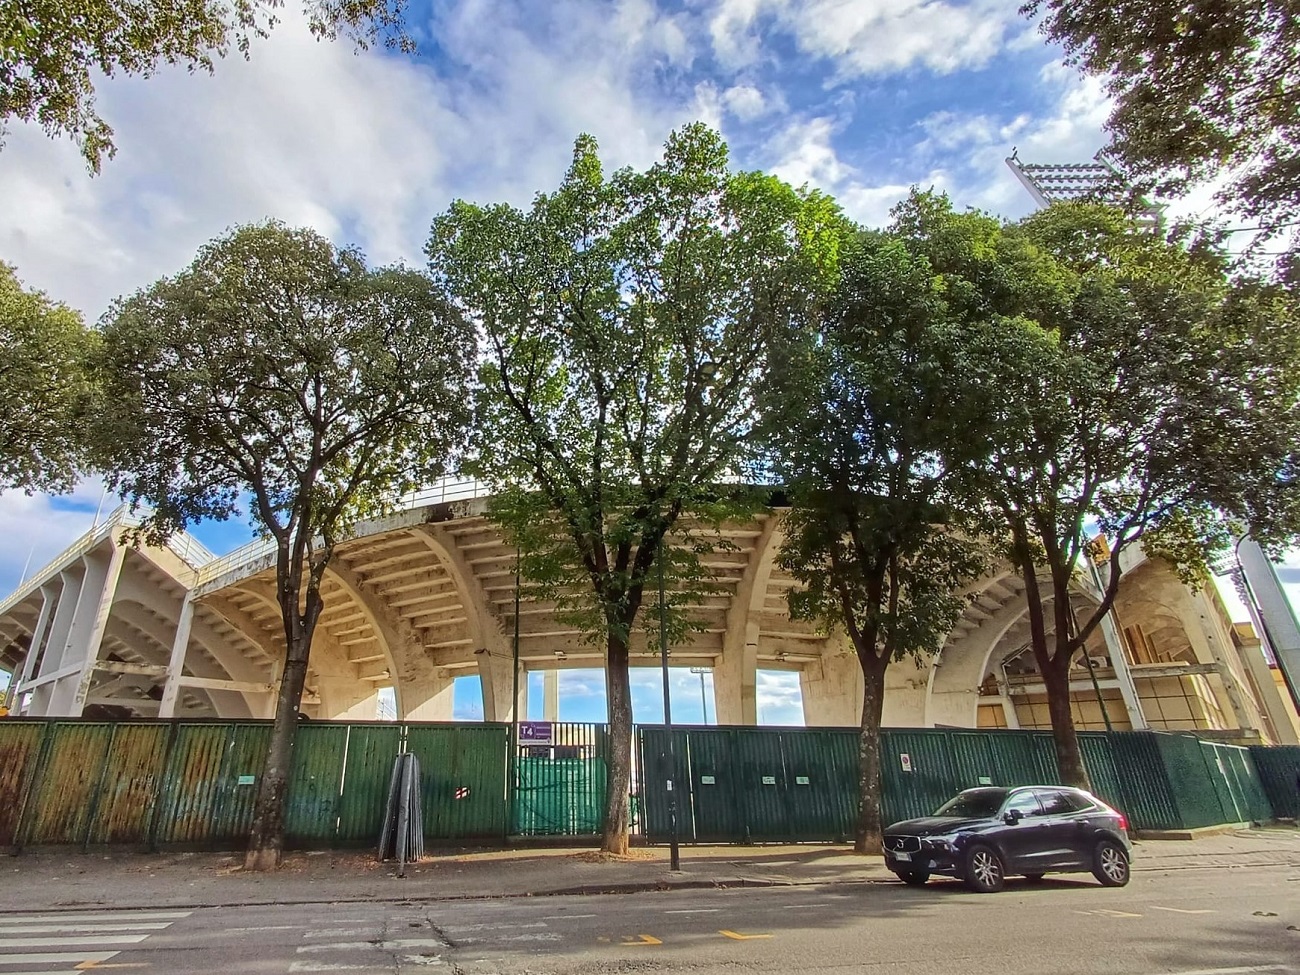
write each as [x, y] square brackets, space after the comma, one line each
[913, 878]
[1034, 878]
[984, 873]
[1110, 864]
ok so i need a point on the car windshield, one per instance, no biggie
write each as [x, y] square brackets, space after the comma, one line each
[974, 803]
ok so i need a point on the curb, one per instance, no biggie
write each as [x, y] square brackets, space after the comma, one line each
[1189, 834]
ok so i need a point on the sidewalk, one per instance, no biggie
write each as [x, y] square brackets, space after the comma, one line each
[42, 880]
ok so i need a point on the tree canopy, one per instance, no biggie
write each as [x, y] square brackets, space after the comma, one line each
[281, 368]
[869, 420]
[46, 368]
[627, 320]
[51, 51]
[1206, 92]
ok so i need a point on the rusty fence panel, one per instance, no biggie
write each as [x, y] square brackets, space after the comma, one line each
[58, 808]
[21, 744]
[131, 773]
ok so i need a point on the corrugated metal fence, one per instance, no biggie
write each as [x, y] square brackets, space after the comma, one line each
[192, 783]
[794, 785]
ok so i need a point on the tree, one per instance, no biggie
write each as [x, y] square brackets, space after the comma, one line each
[869, 423]
[45, 368]
[1204, 91]
[626, 322]
[1131, 383]
[281, 368]
[51, 50]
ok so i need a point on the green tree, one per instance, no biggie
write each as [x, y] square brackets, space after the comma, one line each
[279, 367]
[1131, 384]
[52, 50]
[1204, 91]
[870, 422]
[46, 355]
[626, 321]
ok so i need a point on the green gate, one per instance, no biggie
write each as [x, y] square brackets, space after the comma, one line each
[560, 779]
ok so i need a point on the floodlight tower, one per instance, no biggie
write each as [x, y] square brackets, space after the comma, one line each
[1254, 574]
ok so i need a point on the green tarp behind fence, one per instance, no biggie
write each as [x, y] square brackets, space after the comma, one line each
[798, 785]
[1279, 774]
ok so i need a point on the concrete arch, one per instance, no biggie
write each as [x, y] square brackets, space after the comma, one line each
[736, 682]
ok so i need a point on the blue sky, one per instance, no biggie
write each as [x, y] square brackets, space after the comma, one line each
[861, 98]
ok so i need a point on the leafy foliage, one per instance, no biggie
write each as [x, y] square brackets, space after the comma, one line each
[626, 321]
[1203, 91]
[281, 367]
[870, 421]
[51, 50]
[46, 367]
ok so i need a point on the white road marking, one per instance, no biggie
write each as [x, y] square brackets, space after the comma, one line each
[1247, 970]
[698, 910]
[85, 928]
[453, 928]
[112, 916]
[326, 966]
[399, 944]
[261, 927]
[566, 917]
[513, 937]
[1180, 910]
[340, 932]
[93, 939]
[51, 971]
[52, 958]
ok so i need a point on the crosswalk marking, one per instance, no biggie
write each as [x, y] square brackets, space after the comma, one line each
[82, 928]
[56, 957]
[106, 916]
[75, 938]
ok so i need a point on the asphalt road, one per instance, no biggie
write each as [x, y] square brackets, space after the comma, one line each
[1225, 922]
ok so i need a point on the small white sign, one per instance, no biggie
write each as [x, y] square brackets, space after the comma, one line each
[707, 780]
[986, 780]
[246, 780]
[906, 760]
[801, 780]
[769, 780]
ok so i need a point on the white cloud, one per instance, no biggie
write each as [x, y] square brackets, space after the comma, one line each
[746, 102]
[779, 698]
[35, 528]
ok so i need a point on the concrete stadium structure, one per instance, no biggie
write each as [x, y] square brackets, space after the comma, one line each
[426, 595]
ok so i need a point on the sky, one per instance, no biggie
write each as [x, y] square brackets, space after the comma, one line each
[860, 98]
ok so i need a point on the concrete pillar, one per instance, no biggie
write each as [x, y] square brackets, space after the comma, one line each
[907, 684]
[497, 679]
[1270, 696]
[550, 695]
[98, 613]
[735, 683]
[56, 644]
[832, 692]
[429, 699]
[176, 665]
[49, 597]
[1119, 660]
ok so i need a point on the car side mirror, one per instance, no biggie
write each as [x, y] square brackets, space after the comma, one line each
[1013, 816]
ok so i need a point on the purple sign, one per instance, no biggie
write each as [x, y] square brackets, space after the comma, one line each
[535, 733]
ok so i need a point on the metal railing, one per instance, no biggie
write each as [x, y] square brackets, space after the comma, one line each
[443, 491]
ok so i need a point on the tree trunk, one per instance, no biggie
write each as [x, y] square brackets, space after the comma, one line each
[867, 838]
[266, 841]
[619, 693]
[1069, 758]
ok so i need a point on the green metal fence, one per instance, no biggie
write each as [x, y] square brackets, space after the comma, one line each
[1279, 776]
[193, 783]
[762, 784]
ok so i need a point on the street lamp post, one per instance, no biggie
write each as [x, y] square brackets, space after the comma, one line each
[704, 700]
[674, 856]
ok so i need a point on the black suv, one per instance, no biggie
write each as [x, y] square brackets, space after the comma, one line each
[982, 835]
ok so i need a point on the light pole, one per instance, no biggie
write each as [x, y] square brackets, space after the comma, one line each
[704, 700]
[674, 855]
